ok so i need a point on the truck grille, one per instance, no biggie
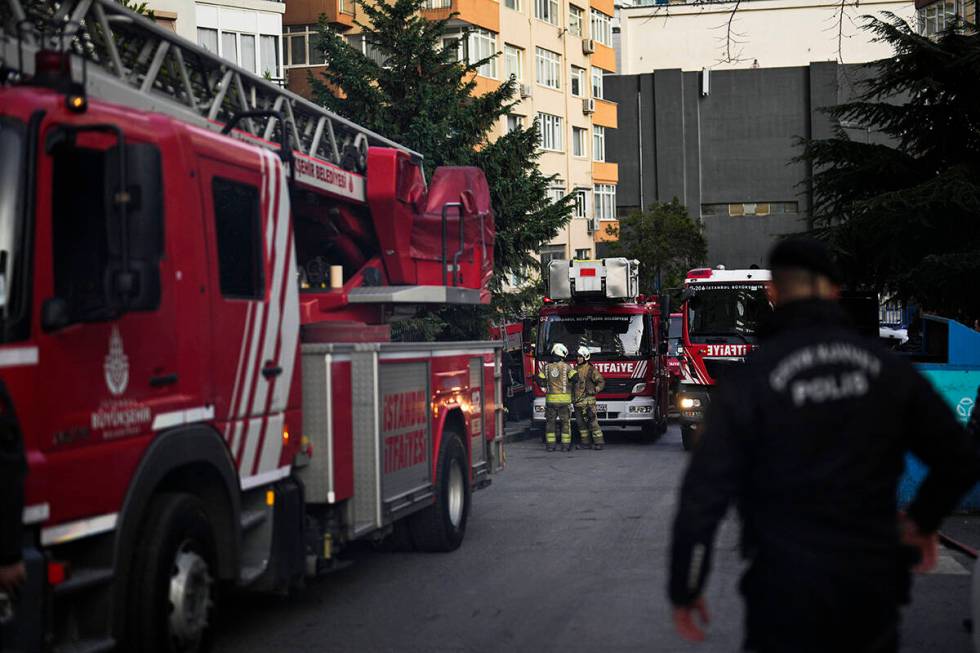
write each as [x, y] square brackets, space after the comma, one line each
[619, 386]
[719, 368]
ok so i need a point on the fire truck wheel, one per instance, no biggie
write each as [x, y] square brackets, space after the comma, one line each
[172, 587]
[441, 526]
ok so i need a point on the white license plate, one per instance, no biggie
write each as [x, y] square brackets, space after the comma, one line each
[600, 408]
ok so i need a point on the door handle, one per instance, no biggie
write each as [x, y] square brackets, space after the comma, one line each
[162, 380]
[271, 371]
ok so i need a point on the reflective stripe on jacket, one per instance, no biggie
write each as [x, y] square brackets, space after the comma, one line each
[557, 381]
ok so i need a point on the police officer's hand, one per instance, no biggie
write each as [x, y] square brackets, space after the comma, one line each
[12, 577]
[685, 623]
[926, 543]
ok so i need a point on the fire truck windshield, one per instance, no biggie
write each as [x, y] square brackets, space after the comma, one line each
[726, 312]
[11, 211]
[607, 336]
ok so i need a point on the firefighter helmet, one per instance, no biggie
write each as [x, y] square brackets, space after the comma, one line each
[559, 350]
[584, 353]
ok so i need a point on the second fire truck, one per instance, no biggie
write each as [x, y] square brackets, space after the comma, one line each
[596, 304]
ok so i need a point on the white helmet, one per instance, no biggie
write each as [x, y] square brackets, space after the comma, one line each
[559, 350]
[584, 353]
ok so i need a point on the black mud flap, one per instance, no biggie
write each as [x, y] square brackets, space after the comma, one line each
[287, 562]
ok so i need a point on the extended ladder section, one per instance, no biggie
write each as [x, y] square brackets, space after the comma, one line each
[133, 61]
[616, 279]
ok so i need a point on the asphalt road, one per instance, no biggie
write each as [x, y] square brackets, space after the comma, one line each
[564, 552]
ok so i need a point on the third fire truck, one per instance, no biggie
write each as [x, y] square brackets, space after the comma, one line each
[597, 305]
[198, 274]
[722, 310]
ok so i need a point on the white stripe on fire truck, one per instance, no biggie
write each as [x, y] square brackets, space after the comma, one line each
[241, 362]
[74, 530]
[251, 442]
[18, 356]
[37, 513]
[249, 482]
[178, 417]
[268, 456]
[277, 250]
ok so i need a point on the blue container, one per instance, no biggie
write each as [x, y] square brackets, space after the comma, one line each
[956, 379]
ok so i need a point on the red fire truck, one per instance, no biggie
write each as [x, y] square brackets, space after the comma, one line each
[722, 309]
[596, 304]
[198, 271]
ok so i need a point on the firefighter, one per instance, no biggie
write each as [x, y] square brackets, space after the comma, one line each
[557, 380]
[13, 469]
[808, 439]
[588, 383]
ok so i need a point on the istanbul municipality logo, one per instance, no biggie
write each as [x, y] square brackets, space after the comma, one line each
[116, 365]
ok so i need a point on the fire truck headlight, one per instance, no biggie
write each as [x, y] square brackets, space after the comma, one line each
[687, 403]
[639, 387]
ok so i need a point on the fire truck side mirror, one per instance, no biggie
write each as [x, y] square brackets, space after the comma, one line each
[55, 314]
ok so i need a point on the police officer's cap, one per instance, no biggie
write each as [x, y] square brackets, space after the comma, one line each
[805, 254]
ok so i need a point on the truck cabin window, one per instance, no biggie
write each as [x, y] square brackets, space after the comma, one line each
[606, 336]
[726, 313]
[239, 235]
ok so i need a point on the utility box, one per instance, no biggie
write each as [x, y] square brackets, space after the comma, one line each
[608, 278]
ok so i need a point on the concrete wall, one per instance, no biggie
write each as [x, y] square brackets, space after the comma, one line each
[767, 33]
[733, 146]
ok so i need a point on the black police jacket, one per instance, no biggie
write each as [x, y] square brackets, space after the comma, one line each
[808, 439]
[13, 468]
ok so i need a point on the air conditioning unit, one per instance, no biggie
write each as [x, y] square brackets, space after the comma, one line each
[593, 225]
[525, 91]
[588, 105]
[588, 46]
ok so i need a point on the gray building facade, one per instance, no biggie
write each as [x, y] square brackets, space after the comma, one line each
[725, 146]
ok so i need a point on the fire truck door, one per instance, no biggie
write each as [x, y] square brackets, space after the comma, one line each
[107, 359]
[254, 307]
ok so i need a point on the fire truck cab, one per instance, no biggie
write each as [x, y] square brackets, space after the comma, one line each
[596, 304]
[722, 310]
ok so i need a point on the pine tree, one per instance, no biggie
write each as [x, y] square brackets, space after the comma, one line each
[423, 98]
[905, 214]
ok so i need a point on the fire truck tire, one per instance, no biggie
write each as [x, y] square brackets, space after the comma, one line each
[172, 586]
[441, 526]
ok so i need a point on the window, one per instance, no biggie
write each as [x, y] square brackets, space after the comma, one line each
[598, 143]
[739, 209]
[208, 39]
[369, 50]
[248, 52]
[300, 48]
[236, 224]
[546, 10]
[597, 90]
[437, 4]
[581, 202]
[936, 17]
[229, 46]
[578, 141]
[604, 201]
[577, 81]
[575, 20]
[583, 254]
[601, 28]
[86, 231]
[555, 193]
[551, 253]
[483, 44]
[551, 130]
[514, 62]
[269, 56]
[514, 122]
[548, 67]
[513, 4]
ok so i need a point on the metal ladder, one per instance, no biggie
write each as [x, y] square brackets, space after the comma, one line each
[134, 62]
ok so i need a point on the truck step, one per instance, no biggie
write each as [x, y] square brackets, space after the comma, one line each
[253, 518]
[250, 574]
[87, 646]
[83, 579]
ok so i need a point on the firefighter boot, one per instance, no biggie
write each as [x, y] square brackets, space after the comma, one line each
[598, 444]
[584, 444]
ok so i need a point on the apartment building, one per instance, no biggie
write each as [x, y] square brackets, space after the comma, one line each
[558, 50]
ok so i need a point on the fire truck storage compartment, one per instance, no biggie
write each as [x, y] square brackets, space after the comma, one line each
[388, 406]
[609, 278]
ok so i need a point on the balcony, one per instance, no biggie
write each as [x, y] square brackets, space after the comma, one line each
[339, 13]
[605, 114]
[604, 172]
[602, 234]
[482, 13]
[604, 57]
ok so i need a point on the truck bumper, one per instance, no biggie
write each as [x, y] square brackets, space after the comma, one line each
[692, 403]
[638, 411]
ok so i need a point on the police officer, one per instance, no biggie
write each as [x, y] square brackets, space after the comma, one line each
[557, 380]
[808, 439]
[588, 383]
